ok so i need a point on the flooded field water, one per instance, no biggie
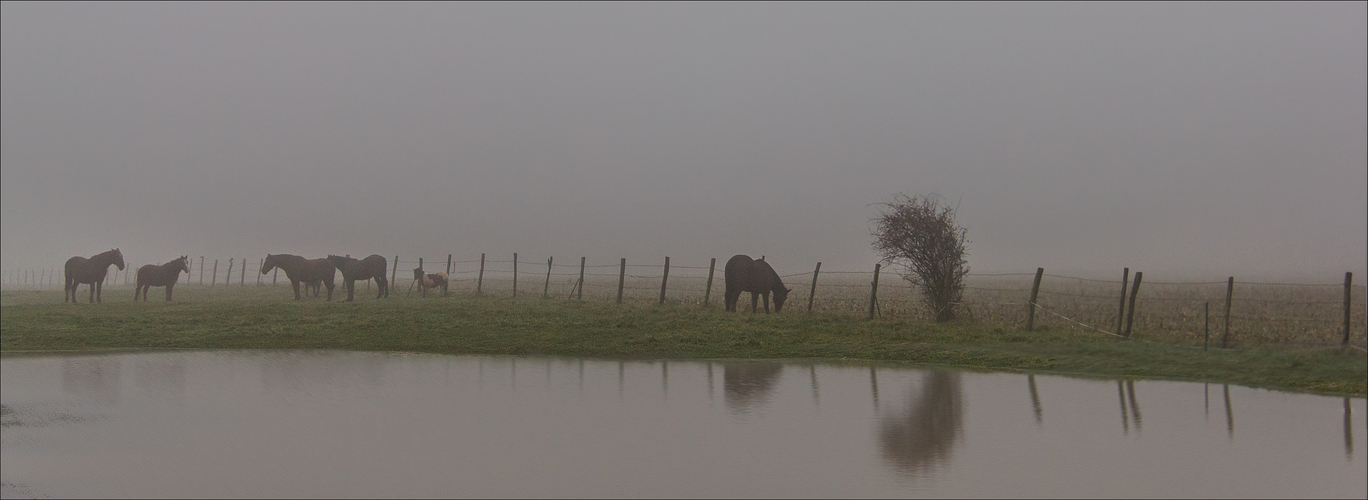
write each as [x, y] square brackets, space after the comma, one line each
[351, 424]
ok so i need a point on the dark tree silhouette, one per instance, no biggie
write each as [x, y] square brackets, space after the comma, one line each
[919, 236]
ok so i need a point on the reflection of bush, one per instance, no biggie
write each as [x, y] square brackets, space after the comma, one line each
[920, 438]
[748, 384]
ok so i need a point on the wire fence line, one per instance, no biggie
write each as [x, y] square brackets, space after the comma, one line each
[1235, 312]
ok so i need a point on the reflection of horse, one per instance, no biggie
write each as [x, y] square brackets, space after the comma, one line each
[749, 384]
[757, 277]
[920, 439]
[299, 269]
[372, 266]
[433, 280]
[90, 271]
[163, 275]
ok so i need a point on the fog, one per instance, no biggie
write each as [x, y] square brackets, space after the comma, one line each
[1188, 141]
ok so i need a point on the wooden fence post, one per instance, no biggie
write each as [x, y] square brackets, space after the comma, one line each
[448, 271]
[213, 280]
[622, 278]
[712, 264]
[874, 291]
[1035, 292]
[515, 274]
[274, 272]
[258, 275]
[813, 293]
[1130, 311]
[201, 270]
[581, 280]
[1121, 312]
[1206, 324]
[395, 273]
[1348, 283]
[664, 279]
[479, 282]
[546, 288]
[242, 281]
[1230, 292]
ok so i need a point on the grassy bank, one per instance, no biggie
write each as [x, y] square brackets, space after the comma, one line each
[203, 319]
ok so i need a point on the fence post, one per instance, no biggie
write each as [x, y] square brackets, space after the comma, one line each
[395, 273]
[274, 272]
[448, 271]
[243, 280]
[712, 264]
[258, 275]
[622, 278]
[1121, 312]
[581, 281]
[813, 293]
[1230, 292]
[201, 270]
[1030, 306]
[1348, 283]
[1130, 311]
[664, 279]
[515, 274]
[1206, 324]
[874, 291]
[546, 288]
[228, 276]
[479, 282]
[213, 280]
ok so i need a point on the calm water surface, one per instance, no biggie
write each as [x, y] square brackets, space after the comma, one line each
[350, 424]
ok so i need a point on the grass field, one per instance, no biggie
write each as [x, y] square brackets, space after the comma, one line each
[267, 317]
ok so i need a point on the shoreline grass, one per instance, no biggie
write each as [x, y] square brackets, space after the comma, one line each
[484, 325]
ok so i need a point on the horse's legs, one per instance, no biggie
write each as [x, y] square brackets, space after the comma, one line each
[351, 288]
[168, 292]
[755, 302]
[93, 288]
[295, 284]
[330, 289]
[66, 292]
[766, 296]
[382, 285]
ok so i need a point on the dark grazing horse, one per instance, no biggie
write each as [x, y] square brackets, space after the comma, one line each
[757, 277]
[364, 269]
[430, 280]
[163, 275]
[90, 271]
[299, 269]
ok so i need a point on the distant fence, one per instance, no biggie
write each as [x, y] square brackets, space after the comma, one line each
[1215, 314]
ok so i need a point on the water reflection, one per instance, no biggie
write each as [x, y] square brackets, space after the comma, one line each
[95, 378]
[1348, 429]
[919, 438]
[747, 386]
[1035, 401]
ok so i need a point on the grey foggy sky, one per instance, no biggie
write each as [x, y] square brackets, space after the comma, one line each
[1184, 140]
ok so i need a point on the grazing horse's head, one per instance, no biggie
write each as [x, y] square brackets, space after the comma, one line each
[181, 264]
[780, 295]
[417, 274]
[118, 259]
[268, 264]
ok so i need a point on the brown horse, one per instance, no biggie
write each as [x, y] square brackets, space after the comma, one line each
[433, 280]
[757, 277]
[163, 275]
[364, 269]
[90, 271]
[299, 269]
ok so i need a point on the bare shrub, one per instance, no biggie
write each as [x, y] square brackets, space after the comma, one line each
[919, 236]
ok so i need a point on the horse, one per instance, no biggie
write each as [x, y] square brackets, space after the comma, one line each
[372, 266]
[163, 275]
[757, 277]
[433, 280]
[90, 271]
[299, 269]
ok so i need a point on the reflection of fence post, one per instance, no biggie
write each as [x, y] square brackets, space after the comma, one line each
[874, 294]
[1348, 282]
[1130, 311]
[479, 282]
[622, 278]
[581, 281]
[1230, 291]
[1121, 312]
[546, 289]
[813, 293]
[1030, 306]
[213, 279]
[395, 273]
[712, 264]
[515, 274]
[664, 279]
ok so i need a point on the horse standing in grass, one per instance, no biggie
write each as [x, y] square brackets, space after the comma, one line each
[433, 280]
[299, 269]
[364, 269]
[744, 274]
[163, 275]
[90, 271]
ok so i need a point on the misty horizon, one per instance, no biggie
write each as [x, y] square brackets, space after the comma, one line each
[1186, 141]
